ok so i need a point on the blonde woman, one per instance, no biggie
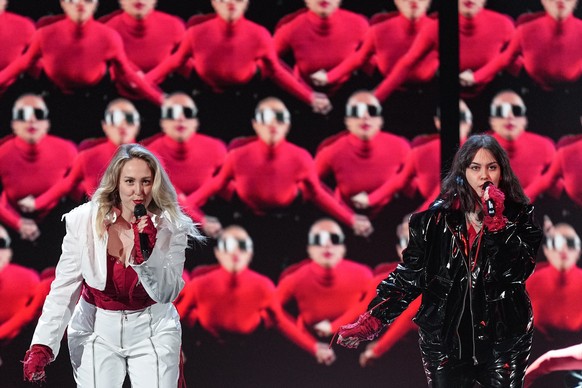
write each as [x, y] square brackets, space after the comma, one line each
[112, 291]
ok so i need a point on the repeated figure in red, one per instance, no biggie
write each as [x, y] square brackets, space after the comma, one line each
[31, 162]
[229, 51]
[89, 48]
[190, 158]
[320, 37]
[421, 168]
[15, 34]
[120, 124]
[364, 158]
[530, 154]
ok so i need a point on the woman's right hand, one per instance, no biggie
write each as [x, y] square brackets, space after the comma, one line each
[366, 328]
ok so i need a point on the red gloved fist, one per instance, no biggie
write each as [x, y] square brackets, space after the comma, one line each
[498, 221]
[35, 360]
[150, 231]
[366, 328]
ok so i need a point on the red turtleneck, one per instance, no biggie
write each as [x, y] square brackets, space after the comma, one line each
[270, 177]
[387, 52]
[15, 34]
[324, 293]
[17, 288]
[88, 168]
[530, 156]
[536, 41]
[31, 169]
[229, 54]
[320, 43]
[88, 48]
[358, 165]
[225, 302]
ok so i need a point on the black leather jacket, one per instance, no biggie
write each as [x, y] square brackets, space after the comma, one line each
[438, 264]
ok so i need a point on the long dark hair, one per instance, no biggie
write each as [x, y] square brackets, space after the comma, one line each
[456, 191]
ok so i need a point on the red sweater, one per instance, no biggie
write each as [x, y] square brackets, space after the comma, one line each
[17, 288]
[555, 298]
[538, 41]
[229, 54]
[530, 156]
[159, 32]
[89, 49]
[320, 43]
[387, 52]
[15, 34]
[236, 303]
[324, 294]
[362, 165]
[267, 178]
[480, 40]
[565, 165]
[31, 169]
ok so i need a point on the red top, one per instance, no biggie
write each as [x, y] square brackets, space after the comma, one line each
[229, 54]
[537, 41]
[15, 34]
[387, 52]
[225, 302]
[122, 290]
[530, 156]
[322, 293]
[267, 178]
[88, 168]
[89, 49]
[359, 165]
[159, 32]
[31, 169]
[320, 43]
[566, 165]
[17, 288]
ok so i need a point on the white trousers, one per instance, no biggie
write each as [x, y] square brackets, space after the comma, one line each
[106, 345]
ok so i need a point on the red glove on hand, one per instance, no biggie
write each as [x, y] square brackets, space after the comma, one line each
[498, 221]
[35, 360]
[366, 328]
[150, 231]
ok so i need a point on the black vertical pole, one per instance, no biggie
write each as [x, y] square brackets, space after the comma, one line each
[448, 80]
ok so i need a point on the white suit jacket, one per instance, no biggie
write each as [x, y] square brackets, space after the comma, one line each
[83, 258]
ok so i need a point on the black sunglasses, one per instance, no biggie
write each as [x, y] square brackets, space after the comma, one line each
[265, 116]
[117, 116]
[503, 110]
[26, 113]
[359, 110]
[4, 243]
[173, 112]
[558, 242]
[230, 244]
[324, 237]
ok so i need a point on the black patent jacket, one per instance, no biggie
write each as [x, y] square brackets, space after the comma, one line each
[440, 265]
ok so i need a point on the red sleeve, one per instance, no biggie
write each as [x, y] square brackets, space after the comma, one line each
[353, 61]
[23, 62]
[398, 329]
[500, 61]
[173, 62]
[546, 181]
[281, 41]
[60, 188]
[429, 199]
[322, 163]
[188, 303]
[384, 193]
[214, 185]
[9, 217]
[30, 312]
[290, 330]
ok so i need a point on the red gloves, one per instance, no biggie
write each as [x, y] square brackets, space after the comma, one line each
[366, 328]
[150, 231]
[35, 360]
[498, 221]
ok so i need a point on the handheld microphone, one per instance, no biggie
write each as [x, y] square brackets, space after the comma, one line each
[139, 211]
[489, 203]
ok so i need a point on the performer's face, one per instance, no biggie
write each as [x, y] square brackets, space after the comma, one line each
[179, 118]
[559, 9]
[3, 4]
[323, 8]
[470, 8]
[135, 186]
[508, 116]
[121, 124]
[139, 9]
[79, 11]
[562, 247]
[5, 251]
[412, 9]
[271, 122]
[483, 168]
[230, 10]
[326, 247]
[363, 116]
[234, 250]
[30, 119]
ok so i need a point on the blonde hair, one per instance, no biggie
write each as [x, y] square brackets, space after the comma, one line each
[164, 197]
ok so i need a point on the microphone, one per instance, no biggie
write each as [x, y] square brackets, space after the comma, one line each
[489, 203]
[139, 211]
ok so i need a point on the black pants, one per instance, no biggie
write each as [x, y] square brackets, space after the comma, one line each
[504, 368]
